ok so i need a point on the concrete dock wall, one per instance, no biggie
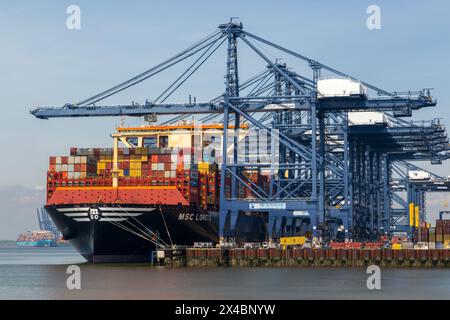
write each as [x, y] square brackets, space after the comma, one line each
[294, 257]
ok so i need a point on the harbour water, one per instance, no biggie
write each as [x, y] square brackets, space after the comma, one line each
[40, 273]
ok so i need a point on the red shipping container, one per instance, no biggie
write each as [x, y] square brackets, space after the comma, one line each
[188, 151]
[154, 158]
[73, 151]
[52, 160]
[64, 160]
[160, 174]
[193, 195]
[97, 152]
[77, 167]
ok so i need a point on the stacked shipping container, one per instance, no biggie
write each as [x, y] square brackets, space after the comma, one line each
[442, 232]
[74, 167]
[136, 167]
[422, 234]
[199, 183]
[209, 182]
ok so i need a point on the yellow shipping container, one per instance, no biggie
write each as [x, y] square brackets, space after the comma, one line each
[286, 241]
[135, 173]
[203, 167]
[135, 165]
[446, 244]
[101, 165]
[396, 246]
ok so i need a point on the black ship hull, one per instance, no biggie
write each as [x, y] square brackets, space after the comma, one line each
[129, 233]
[119, 233]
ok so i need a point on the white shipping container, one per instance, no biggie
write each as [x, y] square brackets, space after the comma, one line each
[366, 118]
[154, 166]
[173, 166]
[421, 245]
[339, 88]
[274, 106]
[160, 166]
[407, 245]
[418, 175]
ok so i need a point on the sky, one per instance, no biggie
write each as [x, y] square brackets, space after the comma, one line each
[42, 62]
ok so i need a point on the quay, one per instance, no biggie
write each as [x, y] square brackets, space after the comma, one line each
[301, 257]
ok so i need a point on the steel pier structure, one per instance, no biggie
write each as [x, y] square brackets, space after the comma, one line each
[328, 170]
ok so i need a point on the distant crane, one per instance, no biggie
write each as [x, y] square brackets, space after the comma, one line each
[45, 223]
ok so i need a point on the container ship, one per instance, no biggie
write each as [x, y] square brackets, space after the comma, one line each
[158, 186]
[39, 238]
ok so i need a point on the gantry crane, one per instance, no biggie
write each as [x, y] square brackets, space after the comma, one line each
[326, 168]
